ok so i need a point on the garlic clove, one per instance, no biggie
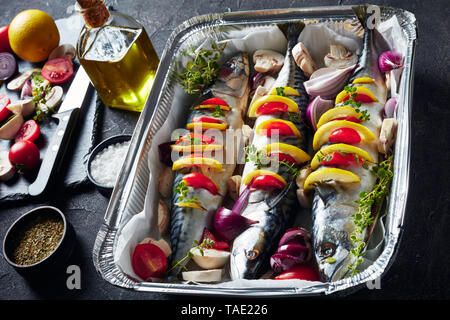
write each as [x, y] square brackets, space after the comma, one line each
[268, 61]
[211, 258]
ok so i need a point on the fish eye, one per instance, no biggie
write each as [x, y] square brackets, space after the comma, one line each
[327, 249]
[252, 254]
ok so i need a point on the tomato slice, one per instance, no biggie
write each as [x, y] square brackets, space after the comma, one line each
[24, 155]
[4, 111]
[57, 70]
[345, 135]
[215, 101]
[206, 120]
[339, 159]
[194, 139]
[283, 157]
[219, 245]
[198, 180]
[283, 129]
[28, 132]
[272, 107]
[148, 261]
[299, 271]
[267, 182]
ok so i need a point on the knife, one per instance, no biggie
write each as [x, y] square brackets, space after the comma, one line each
[67, 117]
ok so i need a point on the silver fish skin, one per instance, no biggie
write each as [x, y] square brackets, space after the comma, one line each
[187, 224]
[252, 249]
[333, 204]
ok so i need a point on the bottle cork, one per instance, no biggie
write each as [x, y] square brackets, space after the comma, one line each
[94, 12]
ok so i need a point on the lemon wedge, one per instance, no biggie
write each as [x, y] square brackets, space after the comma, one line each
[338, 112]
[330, 174]
[298, 154]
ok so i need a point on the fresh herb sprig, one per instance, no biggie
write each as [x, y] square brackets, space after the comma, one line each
[182, 190]
[40, 90]
[365, 116]
[363, 218]
[202, 70]
[218, 112]
[206, 244]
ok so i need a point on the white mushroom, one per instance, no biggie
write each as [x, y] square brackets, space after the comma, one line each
[340, 58]
[234, 183]
[268, 61]
[303, 59]
[387, 135]
[163, 217]
[63, 51]
[211, 258]
[213, 275]
[54, 97]
[165, 182]
[19, 81]
[6, 168]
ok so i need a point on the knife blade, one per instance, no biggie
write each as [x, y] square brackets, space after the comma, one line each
[67, 117]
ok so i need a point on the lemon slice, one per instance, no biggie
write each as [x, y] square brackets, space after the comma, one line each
[322, 134]
[212, 106]
[338, 112]
[339, 147]
[197, 148]
[189, 205]
[363, 80]
[287, 91]
[298, 154]
[253, 110]
[263, 126]
[201, 161]
[363, 92]
[329, 174]
[206, 126]
[249, 177]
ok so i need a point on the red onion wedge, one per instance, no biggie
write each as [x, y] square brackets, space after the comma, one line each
[316, 108]
[228, 224]
[295, 236]
[8, 65]
[281, 262]
[389, 108]
[329, 82]
[390, 60]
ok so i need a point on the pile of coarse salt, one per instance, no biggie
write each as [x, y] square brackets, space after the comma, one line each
[106, 164]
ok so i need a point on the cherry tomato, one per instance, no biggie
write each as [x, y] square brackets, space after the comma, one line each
[57, 70]
[351, 119]
[215, 101]
[29, 131]
[218, 245]
[267, 182]
[148, 261]
[272, 107]
[337, 159]
[198, 180]
[283, 157]
[283, 129]
[24, 155]
[4, 111]
[206, 120]
[4, 39]
[345, 135]
[299, 271]
[187, 139]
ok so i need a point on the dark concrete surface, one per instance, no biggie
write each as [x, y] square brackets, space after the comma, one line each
[420, 269]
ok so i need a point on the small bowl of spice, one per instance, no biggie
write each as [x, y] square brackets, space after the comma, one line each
[40, 241]
[106, 160]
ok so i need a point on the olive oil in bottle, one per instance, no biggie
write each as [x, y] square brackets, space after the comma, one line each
[120, 61]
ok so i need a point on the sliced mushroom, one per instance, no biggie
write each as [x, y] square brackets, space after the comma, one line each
[63, 51]
[234, 183]
[54, 97]
[303, 59]
[25, 107]
[210, 258]
[264, 87]
[387, 135]
[213, 275]
[268, 61]
[340, 57]
[163, 217]
[19, 81]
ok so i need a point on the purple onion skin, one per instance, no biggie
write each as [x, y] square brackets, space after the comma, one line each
[390, 107]
[27, 90]
[295, 236]
[228, 224]
[242, 201]
[165, 152]
[296, 250]
[281, 262]
[256, 79]
[390, 60]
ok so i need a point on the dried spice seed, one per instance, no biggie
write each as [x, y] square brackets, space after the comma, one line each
[37, 240]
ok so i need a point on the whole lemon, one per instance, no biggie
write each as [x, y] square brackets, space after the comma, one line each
[33, 35]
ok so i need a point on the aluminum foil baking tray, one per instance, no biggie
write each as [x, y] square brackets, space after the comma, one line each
[129, 193]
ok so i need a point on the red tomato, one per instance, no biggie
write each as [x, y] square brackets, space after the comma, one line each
[299, 272]
[283, 129]
[338, 159]
[187, 139]
[198, 180]
[57, 70]
[148, 261]
[24, 155]
[206, 120]
[266, 182]
[218, 245]
[345, 135]
[283, 157]
[29, 131]
[4, 39]
[4, 111]
[361, 97]
[215, 101]
[272, 107]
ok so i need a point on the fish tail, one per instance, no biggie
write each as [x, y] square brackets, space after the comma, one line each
[292, 30]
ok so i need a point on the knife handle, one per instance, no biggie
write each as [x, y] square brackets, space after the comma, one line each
[55, 150]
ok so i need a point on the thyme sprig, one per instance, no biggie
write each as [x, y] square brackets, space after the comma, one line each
[365, 116]
[218, 112]
[40, 90]
[202, 70]
[207, 243]
[363, 218]
[182, 189]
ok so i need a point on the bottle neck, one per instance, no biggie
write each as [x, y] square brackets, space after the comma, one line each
[94, 12]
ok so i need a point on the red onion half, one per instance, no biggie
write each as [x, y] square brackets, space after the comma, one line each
[390, 60]
[228, 224]
[7, 65]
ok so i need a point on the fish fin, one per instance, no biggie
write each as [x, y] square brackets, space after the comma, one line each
[362, 14]
[292, 29]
